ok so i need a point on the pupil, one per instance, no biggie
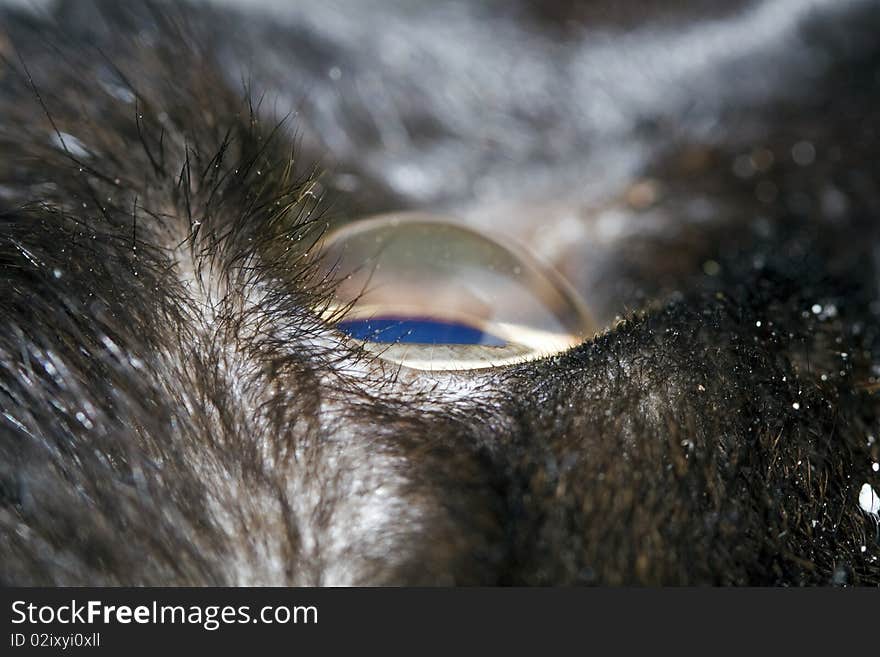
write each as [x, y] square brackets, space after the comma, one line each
[416, 330]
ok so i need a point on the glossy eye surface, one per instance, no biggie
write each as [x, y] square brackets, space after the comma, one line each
[430, 294]
[416, 330]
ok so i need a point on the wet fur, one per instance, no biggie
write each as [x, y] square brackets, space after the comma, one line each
[173, 410]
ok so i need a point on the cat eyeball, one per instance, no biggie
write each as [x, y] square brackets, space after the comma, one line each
[427, 293]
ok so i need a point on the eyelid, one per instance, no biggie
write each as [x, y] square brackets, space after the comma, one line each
[420, 266]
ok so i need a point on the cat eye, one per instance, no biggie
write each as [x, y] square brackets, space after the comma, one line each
[429, 294]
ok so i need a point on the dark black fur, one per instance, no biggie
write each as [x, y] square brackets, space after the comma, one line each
[172, 410]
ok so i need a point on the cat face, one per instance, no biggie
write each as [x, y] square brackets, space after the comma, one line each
[179, 406]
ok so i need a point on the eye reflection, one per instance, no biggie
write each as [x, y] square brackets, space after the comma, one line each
[417, 331]
[426, 293]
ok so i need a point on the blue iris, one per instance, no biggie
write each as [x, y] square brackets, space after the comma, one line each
[416, 330]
